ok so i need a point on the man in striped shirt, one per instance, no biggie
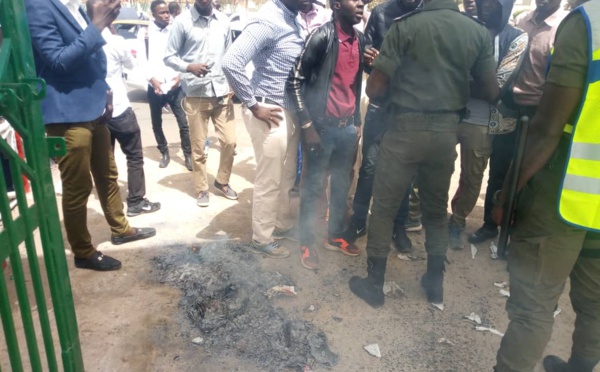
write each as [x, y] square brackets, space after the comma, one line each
[272, 41]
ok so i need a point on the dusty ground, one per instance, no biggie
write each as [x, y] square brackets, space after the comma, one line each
[128, 321]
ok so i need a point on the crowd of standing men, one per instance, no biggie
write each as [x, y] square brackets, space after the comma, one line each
[437, 78]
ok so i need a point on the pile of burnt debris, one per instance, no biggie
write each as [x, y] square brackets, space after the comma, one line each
[226, 295]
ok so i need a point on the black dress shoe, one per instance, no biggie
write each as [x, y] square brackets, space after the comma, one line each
[483, 233]
[165, 159]
[99, 262]
[140, 233]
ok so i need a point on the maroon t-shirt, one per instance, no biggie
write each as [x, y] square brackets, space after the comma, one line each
[342, 96]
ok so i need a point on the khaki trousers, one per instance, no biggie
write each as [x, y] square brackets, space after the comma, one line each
[88, 150]
[544, 252]
[475, 150]
[199, 111]
[276, 152]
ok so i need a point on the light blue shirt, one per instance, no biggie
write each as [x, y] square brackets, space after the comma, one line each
[198, 39]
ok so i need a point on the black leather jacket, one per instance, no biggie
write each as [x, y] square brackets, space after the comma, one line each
[381, 20]
[310, 81]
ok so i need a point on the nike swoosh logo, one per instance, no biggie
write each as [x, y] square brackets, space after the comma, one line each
[146, 208]
[360, 231]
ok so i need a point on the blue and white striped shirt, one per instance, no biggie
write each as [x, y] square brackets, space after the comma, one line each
[272, 42]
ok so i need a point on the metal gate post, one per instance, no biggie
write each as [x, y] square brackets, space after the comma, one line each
[20, 93]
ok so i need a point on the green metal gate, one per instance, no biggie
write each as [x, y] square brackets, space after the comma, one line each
[20, 93]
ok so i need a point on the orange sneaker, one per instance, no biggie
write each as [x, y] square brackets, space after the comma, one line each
[341, 244]
[309, 258]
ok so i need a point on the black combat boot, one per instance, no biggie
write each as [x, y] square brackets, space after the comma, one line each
[552, 363]
[164, 159]
[433, 279]
[370, 289]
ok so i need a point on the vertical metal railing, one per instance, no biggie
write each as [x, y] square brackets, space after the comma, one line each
[20, 93]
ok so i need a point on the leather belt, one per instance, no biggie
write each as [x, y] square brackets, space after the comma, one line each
[266, 100]
[337, 122]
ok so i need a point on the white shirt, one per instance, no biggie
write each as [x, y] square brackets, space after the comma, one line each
[157, 44]
[118, 56]
[74, 7]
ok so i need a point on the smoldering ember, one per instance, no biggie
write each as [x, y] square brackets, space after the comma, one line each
[226, 298]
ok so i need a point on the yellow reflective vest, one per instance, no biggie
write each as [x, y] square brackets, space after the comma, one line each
[579, 202]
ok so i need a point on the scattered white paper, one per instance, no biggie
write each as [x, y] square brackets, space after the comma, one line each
[501, 284]
[403, 257]
[445, 341]
[409, 257]
[504, 293]
[557, 312]
[281, 289]
[438, 306]
[390, 288]
[474, 318]
[373, 349]
[473, 251]
[198, 341]
[494, 250]
[489, 328]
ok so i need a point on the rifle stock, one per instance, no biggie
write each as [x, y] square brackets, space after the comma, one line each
[513, 177]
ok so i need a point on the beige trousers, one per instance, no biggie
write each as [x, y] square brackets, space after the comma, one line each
[276, 152]
[199, 111]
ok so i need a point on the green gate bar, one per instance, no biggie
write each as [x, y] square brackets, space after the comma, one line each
[20, 93]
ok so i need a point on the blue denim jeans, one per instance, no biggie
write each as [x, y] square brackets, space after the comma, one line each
[336, 154]
[375, 126]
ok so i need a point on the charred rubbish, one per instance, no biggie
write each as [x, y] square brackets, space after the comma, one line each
[224, 294]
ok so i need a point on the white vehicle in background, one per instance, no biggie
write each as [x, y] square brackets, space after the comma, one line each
[134, 31]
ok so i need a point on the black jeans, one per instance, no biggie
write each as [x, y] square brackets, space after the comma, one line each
[157, 102]
[338, 146]
[375, 126]
[125, 129]
[503, 149]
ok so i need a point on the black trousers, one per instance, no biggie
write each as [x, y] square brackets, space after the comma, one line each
[503, 149]
[157, 102]
[125, 130]
[373, 131]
